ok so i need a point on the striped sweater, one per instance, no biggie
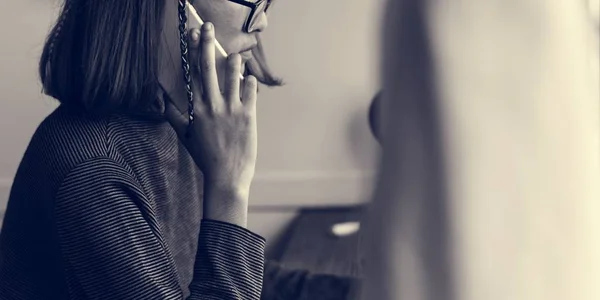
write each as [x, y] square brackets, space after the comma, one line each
[111, 208]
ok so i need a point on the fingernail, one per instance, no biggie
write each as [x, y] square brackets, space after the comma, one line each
[208, 26]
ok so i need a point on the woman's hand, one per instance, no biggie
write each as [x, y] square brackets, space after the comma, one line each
[223, 138]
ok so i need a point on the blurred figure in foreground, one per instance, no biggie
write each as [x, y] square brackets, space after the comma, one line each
[489, 179]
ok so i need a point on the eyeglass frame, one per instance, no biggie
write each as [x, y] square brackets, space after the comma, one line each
[253, 6]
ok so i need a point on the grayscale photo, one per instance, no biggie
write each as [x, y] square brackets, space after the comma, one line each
[300, 150]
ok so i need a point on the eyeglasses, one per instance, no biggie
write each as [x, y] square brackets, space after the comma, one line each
[256, 9]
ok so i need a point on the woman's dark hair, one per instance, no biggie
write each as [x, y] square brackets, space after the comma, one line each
[102, 55]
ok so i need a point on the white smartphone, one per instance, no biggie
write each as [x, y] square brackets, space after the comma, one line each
[197, 18]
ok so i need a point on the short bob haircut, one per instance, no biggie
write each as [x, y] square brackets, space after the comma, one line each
[102, 56]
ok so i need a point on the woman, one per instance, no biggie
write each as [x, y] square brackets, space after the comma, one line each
[122, 195]
[488, 185]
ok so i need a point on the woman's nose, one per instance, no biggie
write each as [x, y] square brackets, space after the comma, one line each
[260, 24]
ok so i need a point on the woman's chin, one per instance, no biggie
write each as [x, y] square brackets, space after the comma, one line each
[257, 67]
[253, 68]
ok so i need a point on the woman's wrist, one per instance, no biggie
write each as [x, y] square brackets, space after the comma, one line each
[237, 186]
[226, 203]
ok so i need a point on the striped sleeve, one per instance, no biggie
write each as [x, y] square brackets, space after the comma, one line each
[112, 246]
[229, 263]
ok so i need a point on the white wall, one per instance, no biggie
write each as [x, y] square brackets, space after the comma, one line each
[23, 27]
[315, 146]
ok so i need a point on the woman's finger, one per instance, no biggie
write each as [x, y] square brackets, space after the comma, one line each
[232, 79]
[208, 67]
[250, 92]
[194, 61]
